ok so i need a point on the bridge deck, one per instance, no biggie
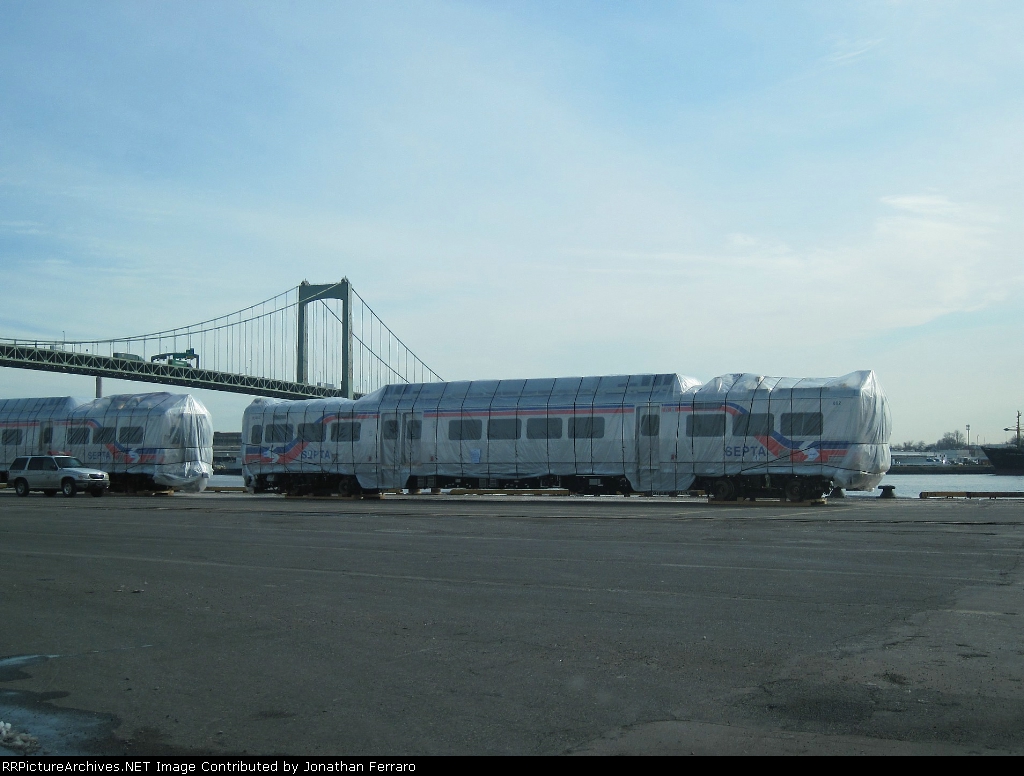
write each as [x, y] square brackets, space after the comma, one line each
[56, 360]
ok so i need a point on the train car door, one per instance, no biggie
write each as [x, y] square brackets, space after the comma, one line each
[390, 449]
[45, 441]
[401, 435]
[412, 434]
[648, 444]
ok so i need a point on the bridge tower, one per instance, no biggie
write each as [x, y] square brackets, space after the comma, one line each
[311, 293]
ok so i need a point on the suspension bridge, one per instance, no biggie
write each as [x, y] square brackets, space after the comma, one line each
[308, 342]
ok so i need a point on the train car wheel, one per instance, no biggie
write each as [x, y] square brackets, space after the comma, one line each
[724, 490]
[794, 490]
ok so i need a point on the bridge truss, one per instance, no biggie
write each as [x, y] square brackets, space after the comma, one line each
[310, 341]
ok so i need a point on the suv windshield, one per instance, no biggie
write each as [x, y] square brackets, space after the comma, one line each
[67, 462]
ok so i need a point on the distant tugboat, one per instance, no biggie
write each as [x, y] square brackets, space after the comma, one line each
[1007, 459]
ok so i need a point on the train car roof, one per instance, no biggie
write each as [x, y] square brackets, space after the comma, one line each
[611, 388]
[37, 406]
[131, 403]
[745, 384]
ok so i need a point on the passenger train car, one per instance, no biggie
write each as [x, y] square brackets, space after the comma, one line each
[142, 440]
[739, 435]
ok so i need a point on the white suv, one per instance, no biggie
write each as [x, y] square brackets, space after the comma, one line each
[50, 473]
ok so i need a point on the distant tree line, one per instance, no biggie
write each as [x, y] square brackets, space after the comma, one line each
[951, 440]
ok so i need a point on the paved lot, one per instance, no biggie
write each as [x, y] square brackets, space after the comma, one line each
[224, 623]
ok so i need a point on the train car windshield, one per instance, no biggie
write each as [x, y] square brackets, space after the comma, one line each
[67, 462]
[205, 433]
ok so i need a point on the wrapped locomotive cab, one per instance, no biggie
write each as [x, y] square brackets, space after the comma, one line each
[144, 441]
[740, 435]
[163, 438]
[744, 434]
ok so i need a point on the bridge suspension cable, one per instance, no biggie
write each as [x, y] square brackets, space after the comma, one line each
[307, 341]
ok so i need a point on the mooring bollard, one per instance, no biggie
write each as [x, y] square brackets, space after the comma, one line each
[888, 491]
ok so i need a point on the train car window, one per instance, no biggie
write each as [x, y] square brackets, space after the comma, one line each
[469, 430]
[103, 436]
[78, 435]
[19, 464]
[389, 429]
[345, 432]
[705, 425]
[587, 428]
[504, 428]
[544, 428]
[12, 436]
[280, 432]
[753, 424]
[130, 435]
[255, 435]
[47, 436]
[798, 424]
[414, 429]
[650, 425]
[311, 432]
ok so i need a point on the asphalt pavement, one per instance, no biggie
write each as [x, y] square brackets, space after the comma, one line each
[228, 623]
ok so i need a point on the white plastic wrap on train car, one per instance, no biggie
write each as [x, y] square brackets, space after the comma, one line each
[286, 436]
[32, 426]
[448, 429]
[458, 418]
[847, 443]
[659, 431]
[166, 436]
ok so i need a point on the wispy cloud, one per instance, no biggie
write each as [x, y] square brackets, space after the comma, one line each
[937, 206]
[844, 52]
[21, 227]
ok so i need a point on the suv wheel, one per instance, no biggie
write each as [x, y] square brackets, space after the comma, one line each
[68, 487]
[21, 487]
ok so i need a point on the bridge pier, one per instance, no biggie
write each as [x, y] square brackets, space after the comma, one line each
[99, 387]
[310, 293]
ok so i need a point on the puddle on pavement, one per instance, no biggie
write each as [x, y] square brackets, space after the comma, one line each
[58, 730]
[65, 731]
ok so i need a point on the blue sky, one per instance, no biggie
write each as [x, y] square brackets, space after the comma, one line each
[526, 189]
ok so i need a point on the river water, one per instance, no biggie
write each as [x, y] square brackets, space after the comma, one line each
[911, 485]
[907, 485]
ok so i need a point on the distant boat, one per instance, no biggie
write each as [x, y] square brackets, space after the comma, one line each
[1007, 459]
